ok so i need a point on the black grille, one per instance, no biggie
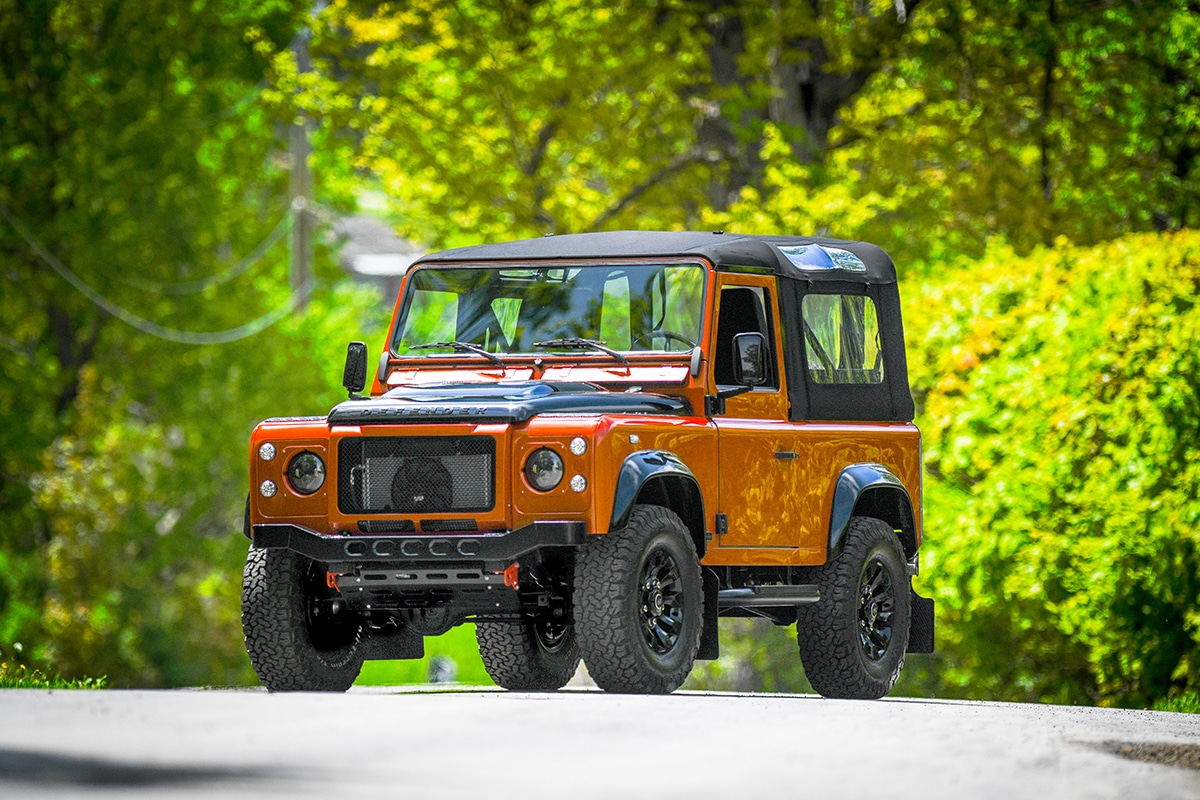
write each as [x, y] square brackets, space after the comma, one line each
[416, 474]
[386, 526]
[448, 525]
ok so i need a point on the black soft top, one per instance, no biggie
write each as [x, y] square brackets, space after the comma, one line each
[722, 249]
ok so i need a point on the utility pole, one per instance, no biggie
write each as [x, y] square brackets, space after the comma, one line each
[301, 190]
[301, 179]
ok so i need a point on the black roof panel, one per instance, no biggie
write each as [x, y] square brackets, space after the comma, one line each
[722, 249]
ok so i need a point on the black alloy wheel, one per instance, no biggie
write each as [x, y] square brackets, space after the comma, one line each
[662, 603]
[876, 609]
[551, 635]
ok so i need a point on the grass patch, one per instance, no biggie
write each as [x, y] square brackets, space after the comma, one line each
[458, 646]
[1184, 704]
[18, 677]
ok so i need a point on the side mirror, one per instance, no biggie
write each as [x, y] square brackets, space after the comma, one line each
[354, 378]
[750, 359]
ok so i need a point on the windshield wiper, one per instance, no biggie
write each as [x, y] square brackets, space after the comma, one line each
[583, 344]
[461, 347]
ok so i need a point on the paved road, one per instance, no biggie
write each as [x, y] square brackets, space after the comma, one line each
[414, 743]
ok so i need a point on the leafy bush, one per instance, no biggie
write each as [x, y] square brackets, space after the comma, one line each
[1058, 399]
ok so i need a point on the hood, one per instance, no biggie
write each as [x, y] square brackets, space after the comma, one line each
[512, 402]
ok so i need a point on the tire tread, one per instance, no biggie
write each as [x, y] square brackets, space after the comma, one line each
[273, 602]
[829, 647]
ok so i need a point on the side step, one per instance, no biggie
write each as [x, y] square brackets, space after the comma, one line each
[766, 596]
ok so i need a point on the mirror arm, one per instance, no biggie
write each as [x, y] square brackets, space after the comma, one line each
[714, 404]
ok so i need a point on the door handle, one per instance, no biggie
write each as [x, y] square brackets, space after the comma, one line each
[785, 455]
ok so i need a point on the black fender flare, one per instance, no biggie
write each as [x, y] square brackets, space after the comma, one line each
[871, 490]
[680, 491]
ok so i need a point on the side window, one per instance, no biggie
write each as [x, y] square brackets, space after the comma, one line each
[841, 338]
[743, 309]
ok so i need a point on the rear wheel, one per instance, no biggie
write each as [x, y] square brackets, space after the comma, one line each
[853, 641]
[534, 655]
[639, 604]
[299, 635]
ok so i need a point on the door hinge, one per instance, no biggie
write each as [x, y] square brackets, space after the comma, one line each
[722, 524]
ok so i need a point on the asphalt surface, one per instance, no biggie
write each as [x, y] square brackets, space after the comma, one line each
[421, 743]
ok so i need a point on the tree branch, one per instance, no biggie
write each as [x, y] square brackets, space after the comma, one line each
[676, 166]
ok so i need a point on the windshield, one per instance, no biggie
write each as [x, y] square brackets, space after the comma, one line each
[626, 307]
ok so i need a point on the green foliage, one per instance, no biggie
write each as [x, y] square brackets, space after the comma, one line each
[19, 677]
[139, 153]
[1183, 704]
[478, 122]
[756, 656]
[1026, 121]
[1061, 417]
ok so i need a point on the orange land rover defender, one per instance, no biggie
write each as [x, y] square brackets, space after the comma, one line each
[595, 446]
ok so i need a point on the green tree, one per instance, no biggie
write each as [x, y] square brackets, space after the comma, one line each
[493, 119]
[138, 161]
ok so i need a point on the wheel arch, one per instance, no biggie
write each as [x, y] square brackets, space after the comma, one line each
[660, 478]
[871, 490]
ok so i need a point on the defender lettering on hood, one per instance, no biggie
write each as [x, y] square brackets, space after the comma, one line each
[515, 402]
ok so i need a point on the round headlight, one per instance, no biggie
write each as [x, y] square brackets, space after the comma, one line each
[544, 469]
[306, 473]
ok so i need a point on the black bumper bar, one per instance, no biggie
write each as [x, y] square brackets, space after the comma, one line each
[503, 546]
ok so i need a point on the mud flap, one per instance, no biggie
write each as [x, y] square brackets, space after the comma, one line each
[920, 631]
[710, 645]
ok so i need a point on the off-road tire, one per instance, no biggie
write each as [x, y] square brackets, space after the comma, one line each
[841, 657]
[521, 659]
[288, 650]
[611, 612]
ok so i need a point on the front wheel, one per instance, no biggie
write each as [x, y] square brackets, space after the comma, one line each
[299, 635]
[853, 641]
[639, 604]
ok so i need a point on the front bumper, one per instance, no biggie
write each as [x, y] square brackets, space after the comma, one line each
[494, 549]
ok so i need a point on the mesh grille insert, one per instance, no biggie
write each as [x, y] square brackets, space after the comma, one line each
[416, 474]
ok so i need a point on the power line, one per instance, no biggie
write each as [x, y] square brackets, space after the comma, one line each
[200, 284]
[144, 325]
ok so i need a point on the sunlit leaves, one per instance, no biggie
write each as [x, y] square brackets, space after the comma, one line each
[1059, 402]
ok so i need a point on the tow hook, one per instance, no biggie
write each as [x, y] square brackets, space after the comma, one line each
[511, 576]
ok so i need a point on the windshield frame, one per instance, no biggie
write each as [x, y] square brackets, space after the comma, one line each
[404, 306]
